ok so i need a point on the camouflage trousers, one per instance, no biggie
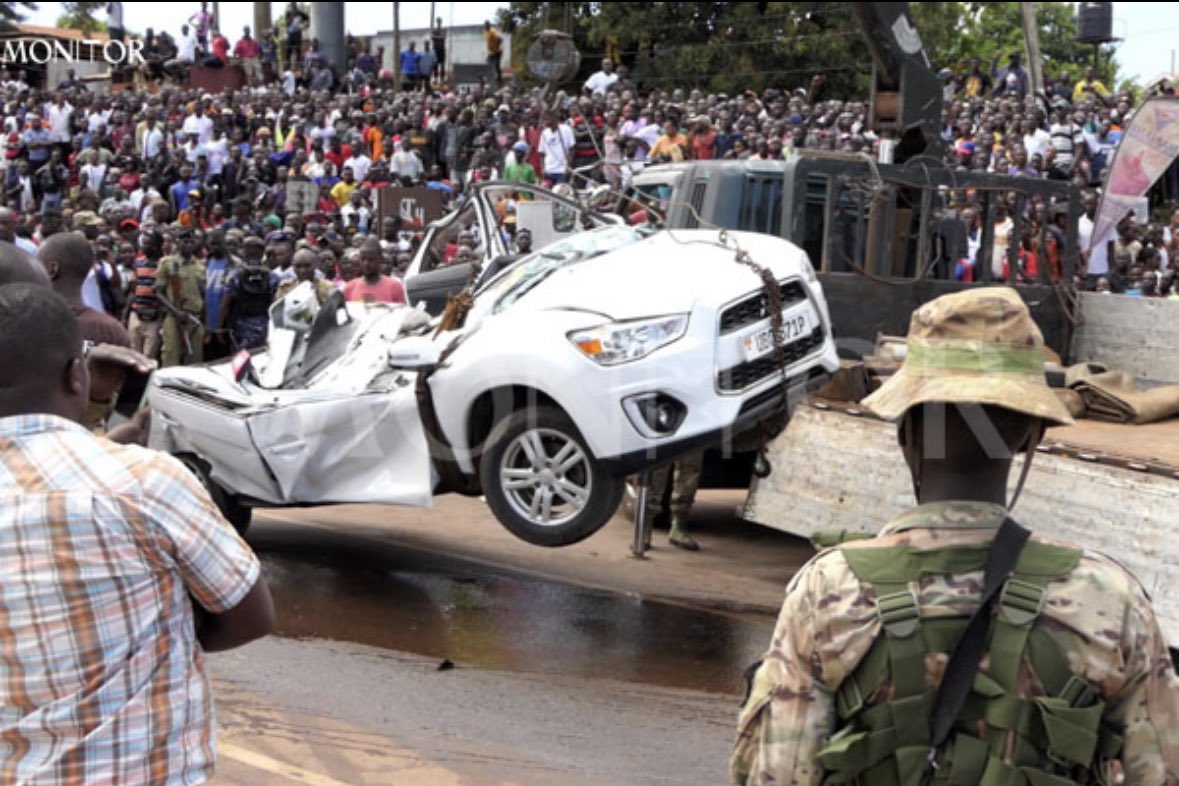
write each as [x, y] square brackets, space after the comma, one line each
[683, 476]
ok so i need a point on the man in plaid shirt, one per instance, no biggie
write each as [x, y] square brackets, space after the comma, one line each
[104, 552]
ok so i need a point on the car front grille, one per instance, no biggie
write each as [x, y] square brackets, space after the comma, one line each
[754, 308]
[748, 374]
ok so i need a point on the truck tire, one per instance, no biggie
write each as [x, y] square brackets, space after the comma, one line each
[542, 482]
[234, 512]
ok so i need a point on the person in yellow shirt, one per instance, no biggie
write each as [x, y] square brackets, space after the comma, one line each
[342, 191]
[495, 50]
[672, 146]
[1090, 86]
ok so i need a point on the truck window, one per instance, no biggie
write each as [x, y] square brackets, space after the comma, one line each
[699, 189]
[761, 204]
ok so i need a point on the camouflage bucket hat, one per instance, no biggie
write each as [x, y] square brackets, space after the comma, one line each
[979, 346]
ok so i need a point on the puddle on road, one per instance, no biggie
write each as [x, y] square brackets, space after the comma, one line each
[464, 613]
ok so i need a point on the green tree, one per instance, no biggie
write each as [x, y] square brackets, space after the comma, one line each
[727, 47]
[12, 13]
[732, 47]
[954, 32]
[81, 16]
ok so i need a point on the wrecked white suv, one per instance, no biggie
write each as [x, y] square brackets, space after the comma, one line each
[604, 353]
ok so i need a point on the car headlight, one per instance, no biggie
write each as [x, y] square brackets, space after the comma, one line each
[621, 342]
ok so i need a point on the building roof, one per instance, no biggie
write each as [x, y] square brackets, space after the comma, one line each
[64, 33]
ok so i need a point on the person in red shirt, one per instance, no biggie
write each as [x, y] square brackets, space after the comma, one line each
[372, 286]
[247, 48]
[338, 153]
[703, 139]
[220, 47]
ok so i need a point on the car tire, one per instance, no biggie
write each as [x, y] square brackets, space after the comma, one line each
[235, 513]
[542, 482]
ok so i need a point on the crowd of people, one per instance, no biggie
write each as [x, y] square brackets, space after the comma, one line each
[168, 220]
[183, 193]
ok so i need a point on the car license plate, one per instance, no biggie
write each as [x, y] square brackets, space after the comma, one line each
[797, 323]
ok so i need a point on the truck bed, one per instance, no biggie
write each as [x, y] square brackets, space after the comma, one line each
[1154, 445]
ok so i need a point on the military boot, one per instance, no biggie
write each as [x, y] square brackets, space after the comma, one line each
[679, 536]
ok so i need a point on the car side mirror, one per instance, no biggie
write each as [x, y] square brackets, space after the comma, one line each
[414, 353]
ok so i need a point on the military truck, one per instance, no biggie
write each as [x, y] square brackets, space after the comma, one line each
[884, 239]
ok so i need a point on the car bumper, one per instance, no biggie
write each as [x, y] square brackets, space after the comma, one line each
[762, 409]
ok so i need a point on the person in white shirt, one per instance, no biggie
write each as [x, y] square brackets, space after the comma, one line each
[193, 149]
[98, 119]
[601, 81]
[58, 115]
[92, 175]
[1035, 140]
[355, 207]
[200, 125]
[555, 146]
[186, 46]
[153, 139]
[1097, 258]
[218, 149]
[360, 164]
[288, 82]
[405, 163]
[91, 292]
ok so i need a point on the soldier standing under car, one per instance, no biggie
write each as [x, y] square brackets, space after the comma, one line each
[670, 498]
[180, 287]
[951, 648]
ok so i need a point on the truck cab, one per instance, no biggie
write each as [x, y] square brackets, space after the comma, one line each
[884, 237]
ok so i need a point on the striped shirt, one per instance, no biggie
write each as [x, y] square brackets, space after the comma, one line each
[102, 680]
[143, 296]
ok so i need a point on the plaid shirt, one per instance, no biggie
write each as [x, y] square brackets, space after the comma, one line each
[101, 677]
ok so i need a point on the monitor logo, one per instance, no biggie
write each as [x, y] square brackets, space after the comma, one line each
[28, 50]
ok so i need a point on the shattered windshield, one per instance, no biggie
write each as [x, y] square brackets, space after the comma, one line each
[532, 270]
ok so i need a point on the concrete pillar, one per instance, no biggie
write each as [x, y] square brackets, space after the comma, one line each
[327, 24]
[261, 20]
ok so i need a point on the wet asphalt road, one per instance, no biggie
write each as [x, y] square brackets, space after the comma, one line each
[331, 585]
[551, 683]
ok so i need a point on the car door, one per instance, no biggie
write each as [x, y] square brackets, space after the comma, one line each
[368, 448]
[431, 279]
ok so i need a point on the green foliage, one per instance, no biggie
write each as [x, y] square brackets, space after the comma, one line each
[12, 13]
[728, 47]
[81, 16]
[733, 47]
[956, 32]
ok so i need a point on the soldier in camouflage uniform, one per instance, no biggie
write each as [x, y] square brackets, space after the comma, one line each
[180, 280]
[674, 483]
[1076, 684]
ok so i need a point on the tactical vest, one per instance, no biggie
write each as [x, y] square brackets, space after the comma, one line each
[1059, 738]
[256, 293]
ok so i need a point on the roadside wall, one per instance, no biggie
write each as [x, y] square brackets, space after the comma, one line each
[1132, 334]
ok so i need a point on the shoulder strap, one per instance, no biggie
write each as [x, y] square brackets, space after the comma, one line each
[964, 660]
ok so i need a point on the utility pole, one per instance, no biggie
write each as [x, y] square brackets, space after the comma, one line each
[397, 44]
[1031, 37]
[217, 15]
